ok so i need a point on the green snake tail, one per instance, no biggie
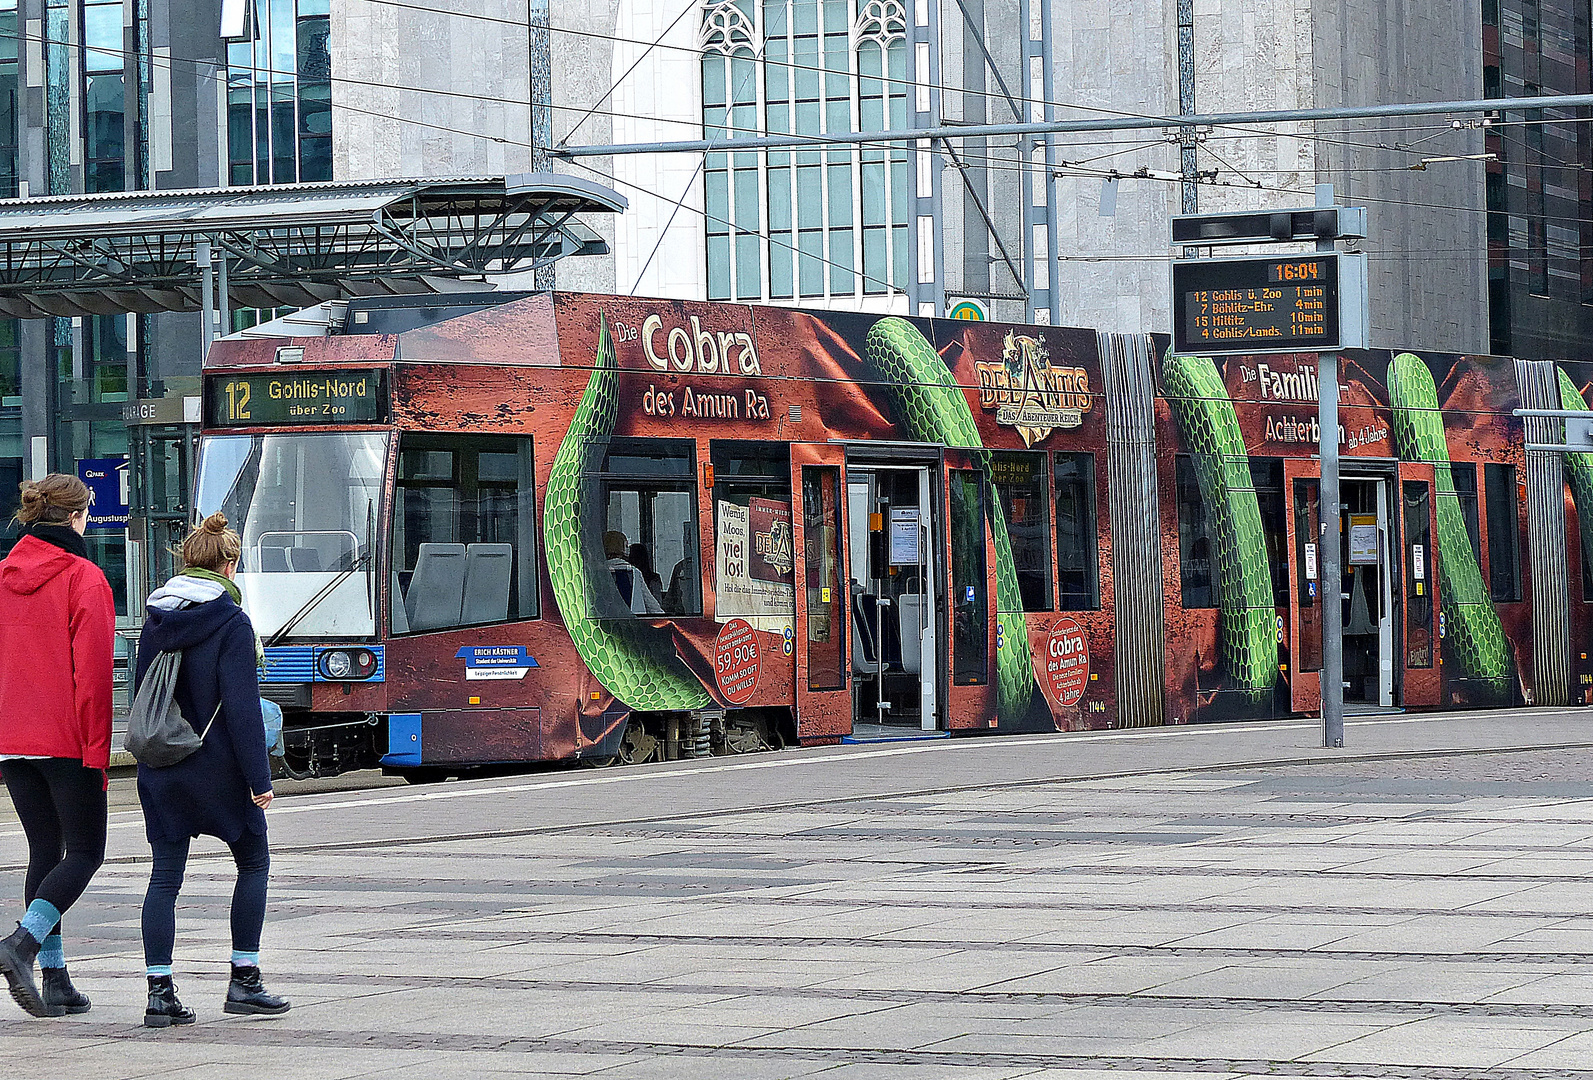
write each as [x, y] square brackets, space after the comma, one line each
[1474, 634]
[634, 661]
[1578, 470]
[1248, 637]
[930, 407]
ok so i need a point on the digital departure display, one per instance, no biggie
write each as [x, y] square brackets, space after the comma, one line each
[297, 397]
[1254, 305]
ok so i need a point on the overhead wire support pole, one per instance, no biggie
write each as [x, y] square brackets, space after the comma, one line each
[1104, 123]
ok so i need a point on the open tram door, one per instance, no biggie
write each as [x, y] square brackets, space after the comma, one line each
[894, 572]
[824, 609]
[1387, 589]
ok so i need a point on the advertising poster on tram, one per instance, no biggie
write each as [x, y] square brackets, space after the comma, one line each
[1241, 502]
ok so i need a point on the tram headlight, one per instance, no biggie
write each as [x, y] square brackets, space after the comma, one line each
[347, 664]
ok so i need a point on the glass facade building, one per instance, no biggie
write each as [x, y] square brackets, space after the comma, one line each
[279, 95]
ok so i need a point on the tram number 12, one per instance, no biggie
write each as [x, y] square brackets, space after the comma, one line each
[237, 400]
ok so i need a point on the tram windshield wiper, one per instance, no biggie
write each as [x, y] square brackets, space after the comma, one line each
[313, 602]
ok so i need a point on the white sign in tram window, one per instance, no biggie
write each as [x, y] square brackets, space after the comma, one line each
[1418, 563]
[1363, 540]
[904, 536]
[1310, 562]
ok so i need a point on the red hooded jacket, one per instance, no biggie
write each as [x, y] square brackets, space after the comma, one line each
[57, 646]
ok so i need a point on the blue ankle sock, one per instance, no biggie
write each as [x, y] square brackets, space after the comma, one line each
[155, 971]
[245, 959]
[51, 954]
[40, 919]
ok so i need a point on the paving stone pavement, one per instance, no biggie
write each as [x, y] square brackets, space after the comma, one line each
[1210, 904]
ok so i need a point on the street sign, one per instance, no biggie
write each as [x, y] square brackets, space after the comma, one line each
[107, 480]
[1280, 303]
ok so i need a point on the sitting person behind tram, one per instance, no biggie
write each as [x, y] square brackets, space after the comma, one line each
[627, 578]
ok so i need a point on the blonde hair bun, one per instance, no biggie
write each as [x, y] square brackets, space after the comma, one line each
[212, 545]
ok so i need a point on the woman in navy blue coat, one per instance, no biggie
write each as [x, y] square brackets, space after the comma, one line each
[223, 788]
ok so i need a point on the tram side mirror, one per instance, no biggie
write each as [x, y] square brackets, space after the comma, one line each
[878, 564]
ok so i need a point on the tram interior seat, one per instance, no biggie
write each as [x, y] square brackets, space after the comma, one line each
[436, 596]
[863, 654]
[909, 617]
[304, 559]
[400, 613]
[486, 587]
[273, 560]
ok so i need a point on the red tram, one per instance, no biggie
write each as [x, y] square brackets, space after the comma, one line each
[561, 526]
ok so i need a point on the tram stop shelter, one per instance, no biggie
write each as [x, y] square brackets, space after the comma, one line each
[219, 250]
[290, 245]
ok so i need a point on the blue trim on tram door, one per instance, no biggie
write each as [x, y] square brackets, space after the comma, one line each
[403, 739]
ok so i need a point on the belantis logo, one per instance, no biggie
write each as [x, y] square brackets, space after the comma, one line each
[1028, 393]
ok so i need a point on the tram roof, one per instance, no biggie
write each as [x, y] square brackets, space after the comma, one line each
[288, 245]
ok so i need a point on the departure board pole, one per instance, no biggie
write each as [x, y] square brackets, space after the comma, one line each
[1331, 585]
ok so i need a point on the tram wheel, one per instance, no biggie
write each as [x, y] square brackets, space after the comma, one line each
[637, 745]
[748, 736]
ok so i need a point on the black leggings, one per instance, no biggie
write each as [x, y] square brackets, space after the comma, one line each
[250, 852]
[62, 808]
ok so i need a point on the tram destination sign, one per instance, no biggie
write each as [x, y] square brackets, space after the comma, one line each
[249, 399]
[1273, 304]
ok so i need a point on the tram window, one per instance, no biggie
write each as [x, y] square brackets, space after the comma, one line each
[1194, 539]
[970, 610]
[1020, 483]
[1078, 565]
[821, 530]
[649, 491]
[1504, 528]
[1308, 535]
[1418, 575]
[468, 501]
[1464, 476]
[753, 550]
[1584, 528]
[1266, 475]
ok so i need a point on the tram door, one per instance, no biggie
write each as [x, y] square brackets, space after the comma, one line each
[893, 568]
[1365, 538]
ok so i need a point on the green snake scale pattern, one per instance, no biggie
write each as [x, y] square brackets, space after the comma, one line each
[1247, 632]
[634, 661]
[1474, 635]
[928, 405]
[1578, 468]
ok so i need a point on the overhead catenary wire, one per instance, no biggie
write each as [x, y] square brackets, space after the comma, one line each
[205, 69]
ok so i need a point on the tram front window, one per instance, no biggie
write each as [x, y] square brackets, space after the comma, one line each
[306, 506]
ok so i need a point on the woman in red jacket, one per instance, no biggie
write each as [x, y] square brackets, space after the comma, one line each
[57, 628]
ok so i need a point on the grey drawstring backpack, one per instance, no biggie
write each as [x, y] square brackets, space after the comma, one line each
[157, 734]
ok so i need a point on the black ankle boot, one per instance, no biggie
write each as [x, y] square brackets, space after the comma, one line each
[16, 964]
[61, 998]
[247, 994]
[164, 1009]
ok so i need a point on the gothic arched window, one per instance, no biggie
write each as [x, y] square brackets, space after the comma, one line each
[815, 223]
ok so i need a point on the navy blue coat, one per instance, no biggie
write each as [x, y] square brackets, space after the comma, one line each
[211, 790]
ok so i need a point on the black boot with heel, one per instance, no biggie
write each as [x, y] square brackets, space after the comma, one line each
[16, 964]
[246, 994]
[164, 1009]
[61, 998]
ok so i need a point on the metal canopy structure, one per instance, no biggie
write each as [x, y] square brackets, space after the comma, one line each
[289, 245]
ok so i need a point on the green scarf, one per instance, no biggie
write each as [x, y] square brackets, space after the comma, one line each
[220, 579]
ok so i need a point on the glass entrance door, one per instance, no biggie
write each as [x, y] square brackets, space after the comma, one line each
[893, 569]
